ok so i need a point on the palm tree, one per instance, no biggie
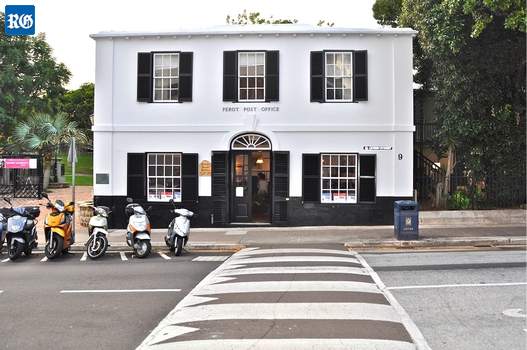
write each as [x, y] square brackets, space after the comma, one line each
[45, 134]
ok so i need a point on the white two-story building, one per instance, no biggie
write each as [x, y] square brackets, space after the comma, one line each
[267, 124]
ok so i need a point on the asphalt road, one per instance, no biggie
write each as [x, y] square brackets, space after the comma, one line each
[35, 315]
[487, 312]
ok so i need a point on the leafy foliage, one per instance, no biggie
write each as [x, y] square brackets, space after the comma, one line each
[387, 11]
[78, 104]
[459, 200]
[470, 54]
[45, 134]
[245, 18]
[31, 80]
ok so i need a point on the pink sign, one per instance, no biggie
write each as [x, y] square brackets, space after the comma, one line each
[18, 163]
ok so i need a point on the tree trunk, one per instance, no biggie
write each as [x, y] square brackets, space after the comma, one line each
[448, 173]
[47, 172]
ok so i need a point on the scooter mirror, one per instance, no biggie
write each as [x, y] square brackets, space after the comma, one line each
[129, 200]
[7, 200]
[45, 195]
[149, 208]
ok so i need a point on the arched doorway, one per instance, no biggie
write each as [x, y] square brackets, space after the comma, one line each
[251, 178]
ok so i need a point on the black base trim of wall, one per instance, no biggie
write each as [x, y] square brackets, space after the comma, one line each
[299, 213]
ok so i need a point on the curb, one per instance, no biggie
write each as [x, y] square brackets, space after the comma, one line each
[161, 246]
[478, 242]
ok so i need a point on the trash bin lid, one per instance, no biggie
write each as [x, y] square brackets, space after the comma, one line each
[405, 203]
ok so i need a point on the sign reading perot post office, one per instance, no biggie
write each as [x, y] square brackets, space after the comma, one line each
[250, 109]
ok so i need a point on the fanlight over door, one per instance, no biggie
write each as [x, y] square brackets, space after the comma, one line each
[251, 141]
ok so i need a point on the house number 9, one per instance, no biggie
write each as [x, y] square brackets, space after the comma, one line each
[400, 156]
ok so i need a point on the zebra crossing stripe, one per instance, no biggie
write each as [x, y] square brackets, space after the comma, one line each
[295, 269]
[295, 250]
[305, 311]
[288, 286]
[211, 258]
[294, 258]
[286, 344]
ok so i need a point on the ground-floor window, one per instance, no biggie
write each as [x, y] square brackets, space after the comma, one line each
[164, 177]
[338, 178]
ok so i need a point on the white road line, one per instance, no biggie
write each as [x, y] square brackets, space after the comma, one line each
[123, 256]
[118, 291]
[408, 323]
[1, 291]
[164, 256]
[459, 285]
[211, 258]
[295, 269]
[288, 286]
[295, 250]
[5, 260]
[44, 259]
[283, 311]
[294, 258]
[235, 233]
[284, 344]
[84, 257]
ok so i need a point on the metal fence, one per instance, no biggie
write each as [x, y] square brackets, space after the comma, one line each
[21, 182]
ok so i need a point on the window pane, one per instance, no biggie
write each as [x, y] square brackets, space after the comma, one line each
[173, 95]
[158, 72]
[168, 158]
[251, 94]
[166, 83]
[334, 184]
[168, 171]
[160, 171]
[351, 172]
[330, 82]
[334, 171]
[151, 159]
[260, 70]
[325, 159]
[157, 83]
[152, 182]
[325, 184]
[158, 95]
[346, 83]
[260, 59]
[166, 72]
[243, 70]
[174, 60]
[347, 94]
[168, 182]
[260, 94]
[342, 171]
[334, 160]
[330, 94]
[251, 70]
[330, 58]
[338, 58]
[177, 183]
[338, 71]
[174, 72]
[338, 94]
[243, 94]
[243, 82]
[343, 184]
[338, 82]
[251, 82]
[177, 171]
[330, 71]
[351, 160]
[260, 82]
[166, 95]
[325, 171]
[157, 60]
[242, 57]
[152, 171]
[160, 183]
[326, 196]
[347, 70]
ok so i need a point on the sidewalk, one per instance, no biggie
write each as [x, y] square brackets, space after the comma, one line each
[352, 236]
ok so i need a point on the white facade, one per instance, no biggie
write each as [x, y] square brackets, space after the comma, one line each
[123, 125]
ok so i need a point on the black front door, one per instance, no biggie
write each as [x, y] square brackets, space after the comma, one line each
[251, 174]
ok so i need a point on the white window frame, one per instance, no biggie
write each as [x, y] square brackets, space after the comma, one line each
[155, 176]
[170, 77]
[335, 76]
[240, 76]
[338, 178]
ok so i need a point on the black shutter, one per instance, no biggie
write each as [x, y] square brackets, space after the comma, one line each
[189, 178]
[144, 77]
[367, 191]
[311, 177]
[220, 187]
[230, 76]
[280, 183]
[185, 76]
[360, 75]
[317, 76]
[136, 176]
[272, 71]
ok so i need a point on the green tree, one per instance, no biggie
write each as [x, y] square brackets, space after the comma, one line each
[46, 134]
[245, 18]
[78, 104]
[471, 55]
[31, 80]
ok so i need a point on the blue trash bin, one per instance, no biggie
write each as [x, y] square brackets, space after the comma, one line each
[406, 220]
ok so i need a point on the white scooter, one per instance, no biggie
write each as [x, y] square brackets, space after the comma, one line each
[178, 230]
[98, 230]
[138, 230]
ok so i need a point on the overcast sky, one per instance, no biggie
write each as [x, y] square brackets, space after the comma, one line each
[67, 23]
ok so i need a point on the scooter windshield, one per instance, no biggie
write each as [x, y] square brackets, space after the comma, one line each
[139, 211]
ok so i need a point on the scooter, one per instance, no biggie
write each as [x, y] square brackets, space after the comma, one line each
[178, 230]
[98, 231]
[3, 229]
[58, 227]
[21, 232]
[138, 229]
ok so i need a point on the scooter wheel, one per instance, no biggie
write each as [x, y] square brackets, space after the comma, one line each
[143, 250]
[28, 251]
[178, 249]
[96, 249]
[57, 245]
[15, 250]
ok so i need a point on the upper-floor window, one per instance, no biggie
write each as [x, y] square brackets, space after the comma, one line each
[251, 75]
[166, 77]
[338, 76]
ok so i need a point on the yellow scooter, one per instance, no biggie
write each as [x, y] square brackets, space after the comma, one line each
[58, 227]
